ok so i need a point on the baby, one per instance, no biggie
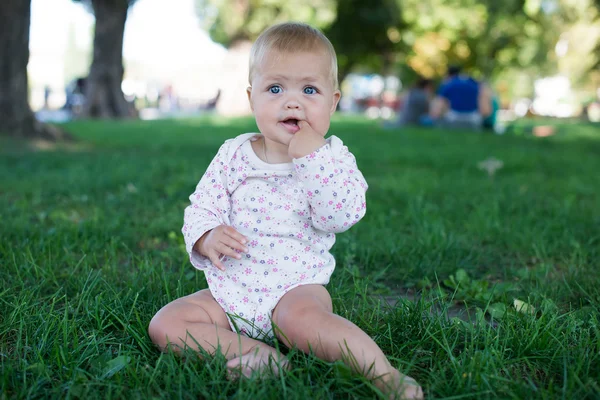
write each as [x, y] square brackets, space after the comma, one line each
[263, 219]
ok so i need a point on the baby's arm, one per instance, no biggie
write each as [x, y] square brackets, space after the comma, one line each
[334, 186]
[209, 208]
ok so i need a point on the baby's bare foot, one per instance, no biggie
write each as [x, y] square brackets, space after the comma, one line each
[258, 359]
[399, 386]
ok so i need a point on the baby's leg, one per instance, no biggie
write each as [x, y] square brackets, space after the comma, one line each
[304, 318]
[198, 320]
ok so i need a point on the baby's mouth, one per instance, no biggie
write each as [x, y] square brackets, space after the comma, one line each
[291, 124]
[290, 121]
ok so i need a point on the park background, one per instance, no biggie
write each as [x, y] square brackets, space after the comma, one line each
[475, 269]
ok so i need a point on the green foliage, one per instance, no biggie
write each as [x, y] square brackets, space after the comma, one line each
[229, 21]
[365, 30]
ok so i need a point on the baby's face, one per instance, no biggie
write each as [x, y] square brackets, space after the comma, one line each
[287, 87]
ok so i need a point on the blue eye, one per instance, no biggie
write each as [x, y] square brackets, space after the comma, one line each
[275, 89]
[310, 90]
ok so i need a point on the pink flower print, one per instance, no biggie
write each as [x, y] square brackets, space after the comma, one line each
[307, 248]
[263, 210]
[330, 202]
[317, 176]
[309, 193]
[281, 240]
[275, 269]
[287, 207]
[261, 199]
[273, 190]
[338, 206]
[295, 258]
[253, 243]
[245, 299]
[261, 234]
[325, 181]
[221, 278]
[259, 318]
[300, 235]
[248, 271]
[220, 285]
[271, 261]
[232, 308]
[249, 290]
[254, 261]
[240, 168]
[306, 225]
[225, 167]
[234, 278]
[268, 218]
[264, 290]
[323, 219]
[312, 155]
[302, 277]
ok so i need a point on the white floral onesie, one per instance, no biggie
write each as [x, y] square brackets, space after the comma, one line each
[289, 213]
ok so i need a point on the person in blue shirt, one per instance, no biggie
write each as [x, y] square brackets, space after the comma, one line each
[461, 102]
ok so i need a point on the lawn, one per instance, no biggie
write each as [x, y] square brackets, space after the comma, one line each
[479, 284]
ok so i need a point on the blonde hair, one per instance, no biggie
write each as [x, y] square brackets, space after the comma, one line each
[292, 37]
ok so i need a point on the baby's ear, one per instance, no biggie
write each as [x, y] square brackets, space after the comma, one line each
[336, 99]
[249, 93]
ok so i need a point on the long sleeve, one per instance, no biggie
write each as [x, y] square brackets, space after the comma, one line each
[334, 186]
[210, 205]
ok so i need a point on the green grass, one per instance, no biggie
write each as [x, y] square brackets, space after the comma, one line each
[91, 249]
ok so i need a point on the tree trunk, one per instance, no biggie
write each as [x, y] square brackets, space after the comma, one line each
[103, 94]
[16, 117]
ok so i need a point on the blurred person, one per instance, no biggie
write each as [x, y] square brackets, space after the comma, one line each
[461, 102]
[489, 121]
[263, 219]
[47, 93]
[416, 105]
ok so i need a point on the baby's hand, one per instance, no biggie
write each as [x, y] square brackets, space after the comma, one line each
[221, 241]
[305, 141]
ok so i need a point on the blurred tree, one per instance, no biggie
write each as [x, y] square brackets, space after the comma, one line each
[16, 117]
[232, 21]
[367, 33]
[483, 36]
[104, 96]
[576, 48]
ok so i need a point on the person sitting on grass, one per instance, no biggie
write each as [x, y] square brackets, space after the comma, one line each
[461, 102]
[263, 219]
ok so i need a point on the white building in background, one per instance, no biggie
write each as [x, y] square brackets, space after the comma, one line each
[163, 46]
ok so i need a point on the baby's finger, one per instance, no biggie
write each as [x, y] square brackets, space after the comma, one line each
[233, 243]
[302, 124]
[233, 233]
[215, 258]
[228, 251]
